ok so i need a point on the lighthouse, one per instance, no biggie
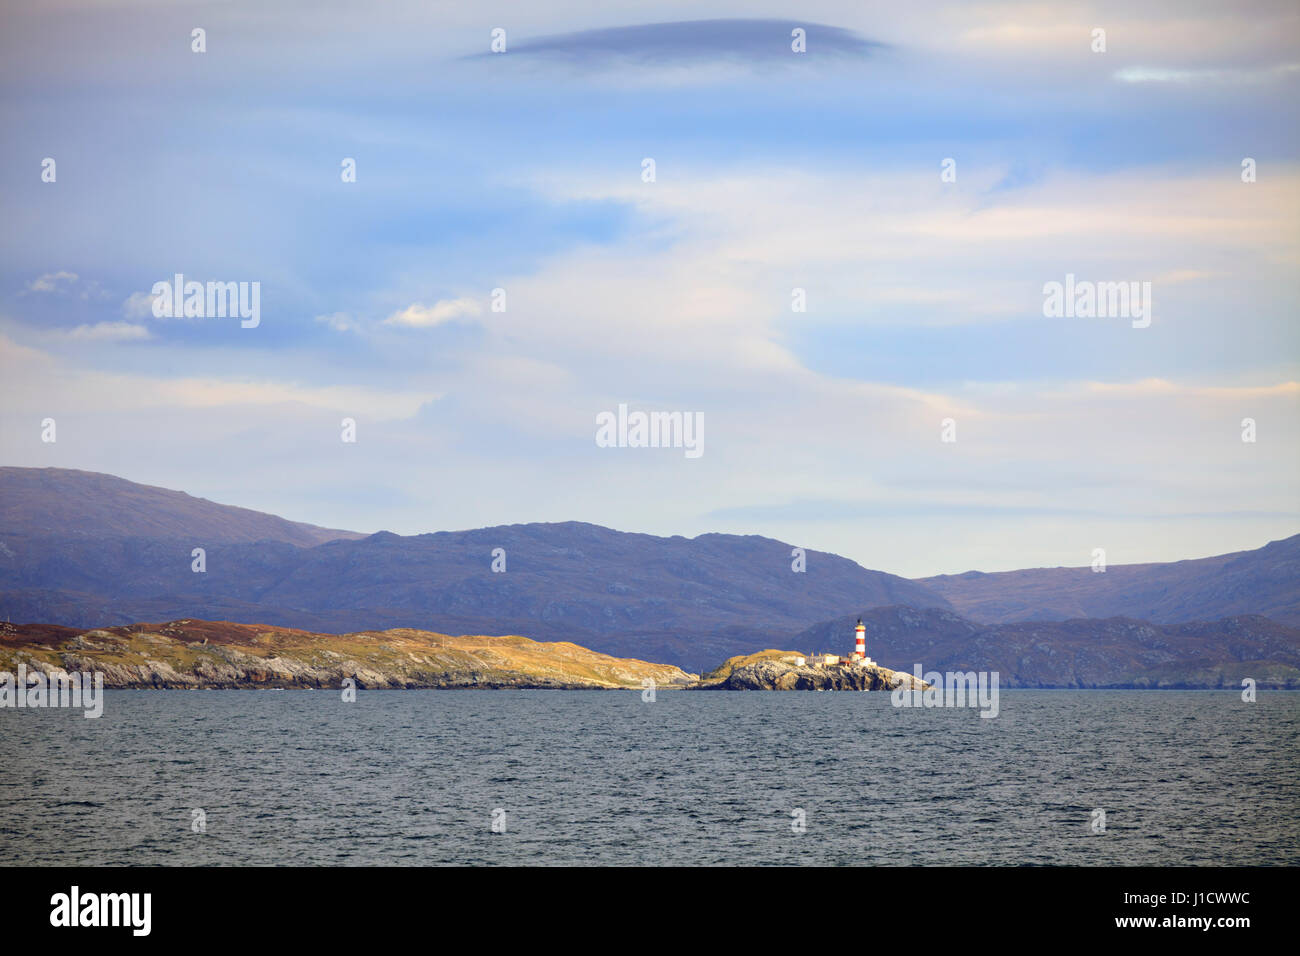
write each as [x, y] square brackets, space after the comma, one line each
[860, 646]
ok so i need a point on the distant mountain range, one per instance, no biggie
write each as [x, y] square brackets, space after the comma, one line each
[63, 503]
[1109, 652]
[1264, 581]
[88, 550]
[118, 552]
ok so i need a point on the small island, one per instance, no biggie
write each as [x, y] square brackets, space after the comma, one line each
[790, 670]
[224, 655]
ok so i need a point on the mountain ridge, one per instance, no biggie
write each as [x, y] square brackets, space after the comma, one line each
[1259, 581]
[58, 501]
[71, 554]
[687, 601]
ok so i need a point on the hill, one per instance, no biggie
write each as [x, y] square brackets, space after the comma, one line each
[63, 502]
[1263, 581]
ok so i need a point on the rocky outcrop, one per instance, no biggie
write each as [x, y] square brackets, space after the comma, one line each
[764, 671]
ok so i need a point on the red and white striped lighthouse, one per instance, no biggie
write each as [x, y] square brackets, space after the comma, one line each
[860, 648]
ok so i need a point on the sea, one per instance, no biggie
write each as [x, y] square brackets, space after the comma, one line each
[540, 778]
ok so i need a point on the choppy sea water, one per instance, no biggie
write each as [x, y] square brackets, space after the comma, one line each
[413, 777]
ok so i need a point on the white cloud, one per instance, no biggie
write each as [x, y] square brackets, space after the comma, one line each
[138, 305]
[890, 248]
[339, 321]
[53, 282]
[66, 283]
[108, 332]
[28, 372]
[427, 316]
[1155, 74]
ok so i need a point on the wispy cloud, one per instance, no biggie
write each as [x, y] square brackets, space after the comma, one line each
[138, 305]
[66, 284]
[1155, 74]
[339, 321]
[108, 332]
[419, 316]
[53, 282]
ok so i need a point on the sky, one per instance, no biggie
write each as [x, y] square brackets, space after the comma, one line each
[921, 171]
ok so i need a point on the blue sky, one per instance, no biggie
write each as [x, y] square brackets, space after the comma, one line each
[774, 170]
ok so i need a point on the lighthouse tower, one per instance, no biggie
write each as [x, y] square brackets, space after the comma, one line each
[860, 647]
